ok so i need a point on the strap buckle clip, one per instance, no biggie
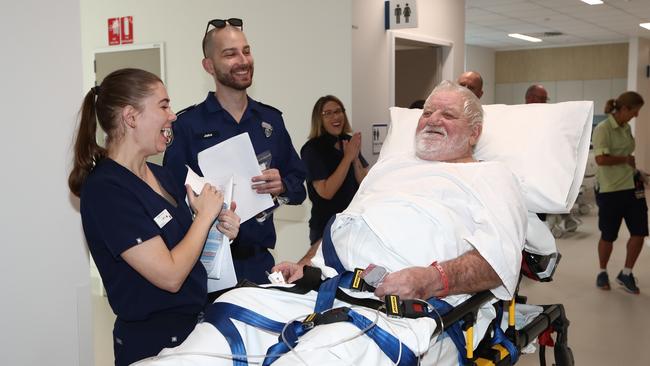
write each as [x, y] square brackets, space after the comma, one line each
[409, 308]
[334, 315]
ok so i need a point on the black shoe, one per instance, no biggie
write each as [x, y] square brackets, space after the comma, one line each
[628, 282]
[602, 281]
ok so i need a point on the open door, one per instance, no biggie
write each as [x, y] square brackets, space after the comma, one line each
[416, 64]
[148, 57]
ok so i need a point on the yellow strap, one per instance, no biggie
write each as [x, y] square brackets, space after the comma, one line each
[511, 313]
[503, 353]
[469, 341]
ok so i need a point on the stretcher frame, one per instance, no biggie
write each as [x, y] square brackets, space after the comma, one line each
[552, 319]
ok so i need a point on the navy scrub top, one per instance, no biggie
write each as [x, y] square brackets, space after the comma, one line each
[208, 123]
[117, 212]
[321, 159]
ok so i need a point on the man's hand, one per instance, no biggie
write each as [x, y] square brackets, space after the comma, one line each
[269, 182]
[290, 271]
[411, 283]
[229, 222]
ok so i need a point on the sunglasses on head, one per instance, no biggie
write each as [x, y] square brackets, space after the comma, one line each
[220, 23]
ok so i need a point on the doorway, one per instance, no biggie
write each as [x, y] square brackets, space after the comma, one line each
[149, 57]
[416, 65]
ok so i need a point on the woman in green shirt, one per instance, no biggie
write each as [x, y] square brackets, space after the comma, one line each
[616, 196]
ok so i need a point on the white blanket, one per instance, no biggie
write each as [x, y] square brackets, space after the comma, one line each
[421, 211]
[418, 212]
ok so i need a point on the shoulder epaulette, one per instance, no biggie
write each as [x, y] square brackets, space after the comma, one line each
[185, 110]
[269, 107]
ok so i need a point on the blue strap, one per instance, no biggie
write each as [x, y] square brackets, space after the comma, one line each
[500, 337]
[291, 334]
[329, 253]
[327, 294]
[220, 314]
[454, 331]
[389, 344]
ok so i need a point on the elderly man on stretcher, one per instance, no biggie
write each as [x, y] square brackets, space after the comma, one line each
[440, 223]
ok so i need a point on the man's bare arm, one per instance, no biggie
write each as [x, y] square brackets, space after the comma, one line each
[468, 273]
[306, 259]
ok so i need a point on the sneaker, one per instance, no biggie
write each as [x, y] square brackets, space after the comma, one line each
[628, 282]
[602, 281]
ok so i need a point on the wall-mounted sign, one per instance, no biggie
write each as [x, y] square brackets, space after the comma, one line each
[379, 132]
[113, 31]
[400, 14]
[120, 30]
[126, 33]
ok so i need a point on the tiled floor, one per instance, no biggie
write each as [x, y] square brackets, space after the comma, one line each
[607, 327]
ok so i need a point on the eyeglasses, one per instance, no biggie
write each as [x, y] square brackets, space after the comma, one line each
[220, 23]
[335, 112]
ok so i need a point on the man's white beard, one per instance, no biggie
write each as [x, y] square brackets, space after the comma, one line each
[443, 149]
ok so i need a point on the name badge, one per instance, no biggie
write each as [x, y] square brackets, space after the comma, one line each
[268, 129]
[163, 218]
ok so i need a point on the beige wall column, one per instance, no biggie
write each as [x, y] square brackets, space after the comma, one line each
[638, 80]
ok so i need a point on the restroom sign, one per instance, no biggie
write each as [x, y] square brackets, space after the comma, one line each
[114, 31]
[126, 29]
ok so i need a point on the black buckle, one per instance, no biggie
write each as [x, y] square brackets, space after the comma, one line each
[358, 284]
[328, 317]
[412, 309]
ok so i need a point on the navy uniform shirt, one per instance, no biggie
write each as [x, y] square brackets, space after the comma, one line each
[208, 124]
[321, 159]
[118, 211]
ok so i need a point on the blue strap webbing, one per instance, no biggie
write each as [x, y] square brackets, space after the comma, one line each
[454, 331]
[291, 334]
[329, 253]
[220, 314]
[384, 340]
[500, 337]
[327, 294]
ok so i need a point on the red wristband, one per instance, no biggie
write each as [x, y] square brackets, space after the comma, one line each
[443, 277]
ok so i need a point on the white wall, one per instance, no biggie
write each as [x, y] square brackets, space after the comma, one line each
[639, 81]
[302, 50]
[44, 279]
[482, 60]
[438, 19]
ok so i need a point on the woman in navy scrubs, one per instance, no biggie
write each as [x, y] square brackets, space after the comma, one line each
[335, 167]
[139, 229]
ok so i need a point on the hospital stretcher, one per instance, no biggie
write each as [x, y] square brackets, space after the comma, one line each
[502, 343]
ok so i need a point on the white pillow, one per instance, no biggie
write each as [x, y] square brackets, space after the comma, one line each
[545, 145]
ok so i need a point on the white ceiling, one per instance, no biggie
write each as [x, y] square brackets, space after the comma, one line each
[488, 22]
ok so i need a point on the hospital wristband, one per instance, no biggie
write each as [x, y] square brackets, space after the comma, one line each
[443, 277]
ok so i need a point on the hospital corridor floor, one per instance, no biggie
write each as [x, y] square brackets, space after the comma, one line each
[607, 327]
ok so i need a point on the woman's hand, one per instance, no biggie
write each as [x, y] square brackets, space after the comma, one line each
[207, 204]
[352, 147]
[229, 222]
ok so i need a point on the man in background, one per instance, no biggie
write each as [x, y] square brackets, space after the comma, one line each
[473, 81]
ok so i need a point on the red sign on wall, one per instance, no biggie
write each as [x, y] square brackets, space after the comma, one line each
[113, 31]
[126, 33]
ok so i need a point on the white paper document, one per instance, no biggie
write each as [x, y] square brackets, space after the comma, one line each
[216, 256]
[236, 158]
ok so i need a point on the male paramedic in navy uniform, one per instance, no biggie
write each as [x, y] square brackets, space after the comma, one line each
[229, 112]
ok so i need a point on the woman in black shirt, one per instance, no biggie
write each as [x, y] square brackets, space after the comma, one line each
[334, 163]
